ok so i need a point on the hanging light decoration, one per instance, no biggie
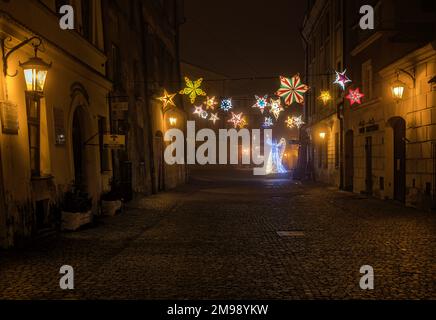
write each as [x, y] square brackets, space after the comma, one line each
[355, 96]
[210, 103]
[226, 104]
[237, 120]
[292, 90]
[268, 122]
[200, 112]
[325, 97]
[276, 108]
[295, 122]
[167, 99]
[193, 89]
[214, 118]
[261, 103]
[342, 79]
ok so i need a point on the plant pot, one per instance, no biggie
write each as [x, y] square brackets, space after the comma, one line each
[110, 208]
[71, 221]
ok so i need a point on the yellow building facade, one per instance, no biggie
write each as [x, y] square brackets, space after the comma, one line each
[48, 146]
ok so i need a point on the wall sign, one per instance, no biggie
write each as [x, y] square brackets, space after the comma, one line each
[112, 141]
[9, 117]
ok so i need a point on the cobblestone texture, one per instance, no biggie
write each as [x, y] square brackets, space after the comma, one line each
[217, 239]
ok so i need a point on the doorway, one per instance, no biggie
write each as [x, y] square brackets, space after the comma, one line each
[349, 161]
[368, 166]
[399, 128]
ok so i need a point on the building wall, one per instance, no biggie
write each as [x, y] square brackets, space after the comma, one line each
[403, 39]
[76, 81]
[322, 32]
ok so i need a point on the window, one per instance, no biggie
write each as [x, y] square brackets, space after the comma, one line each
[33, 117]
[367, 79]
[87, 19]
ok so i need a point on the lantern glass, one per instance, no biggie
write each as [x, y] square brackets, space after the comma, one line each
[35, 79]
[398, 88]
[322, 135]
[35, 74]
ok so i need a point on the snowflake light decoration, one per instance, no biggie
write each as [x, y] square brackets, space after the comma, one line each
[292, 90]
[268, 122]
[276, 108]
[214, 117]
[200, 112]
[355, 96]
[325, 97]
[193, 89]
[167, 99]
[261, 103]
[295, 122]
[226, 104]
[342, 79]
[210, 103]
[237, 120]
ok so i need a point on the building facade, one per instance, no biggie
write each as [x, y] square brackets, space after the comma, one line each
[386, 145]
[103, 81]
[46, 144]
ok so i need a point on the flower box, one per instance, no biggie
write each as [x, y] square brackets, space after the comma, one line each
[71, 221]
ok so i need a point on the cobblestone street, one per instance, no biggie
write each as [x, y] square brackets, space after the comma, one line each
[217, 239]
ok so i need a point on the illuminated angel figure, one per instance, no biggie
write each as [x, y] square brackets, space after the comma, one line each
[275, 160]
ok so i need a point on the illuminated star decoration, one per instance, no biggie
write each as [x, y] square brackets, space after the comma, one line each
[261, 103]
[295, 122]
[226, 104]
[276, 108]
[193, 89]
[200, 112]
[268, 122]
[210, 103]
[292, 90]
[214, 117]
[342, 79]
[167, 99]
[355, 96]
[237, 120]
[325, 97]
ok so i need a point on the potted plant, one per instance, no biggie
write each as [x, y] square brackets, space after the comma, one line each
[112, 202]
[76, 209]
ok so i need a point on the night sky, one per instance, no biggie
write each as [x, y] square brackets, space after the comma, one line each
[245, 39]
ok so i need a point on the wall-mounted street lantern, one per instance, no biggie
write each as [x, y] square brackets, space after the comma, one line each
[322, 135]
[399, 87]
[35, 69]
